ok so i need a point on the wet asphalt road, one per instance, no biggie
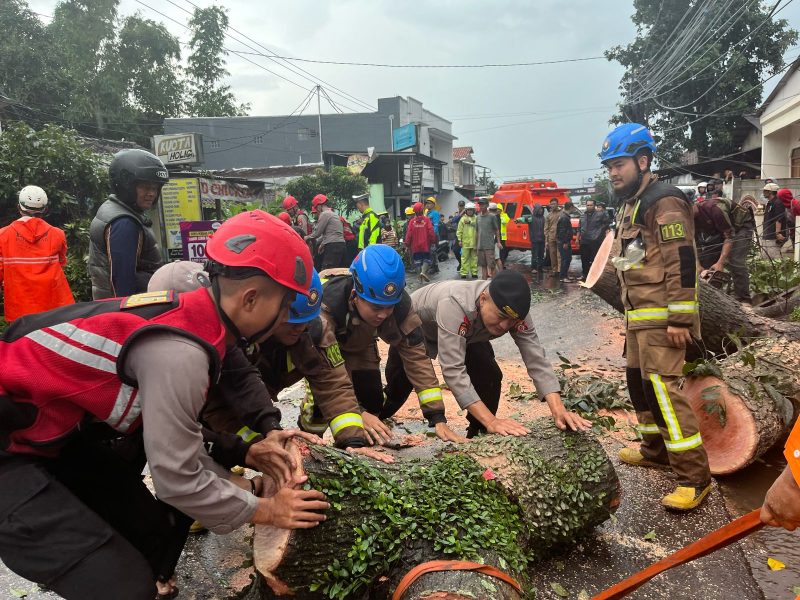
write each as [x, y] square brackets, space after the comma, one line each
[574, 322]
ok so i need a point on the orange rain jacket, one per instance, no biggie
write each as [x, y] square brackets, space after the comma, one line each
[32, 259]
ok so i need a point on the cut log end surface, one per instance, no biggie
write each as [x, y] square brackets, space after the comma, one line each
[729, 429]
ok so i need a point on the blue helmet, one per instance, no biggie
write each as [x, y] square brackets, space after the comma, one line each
[307, 308]
[379, 275]
[627, 140]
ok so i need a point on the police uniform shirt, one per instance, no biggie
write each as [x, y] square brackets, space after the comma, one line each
[451, 321]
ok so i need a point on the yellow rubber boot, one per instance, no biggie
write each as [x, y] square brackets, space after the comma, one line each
[635, 458]
[685, 498]
[197, 527]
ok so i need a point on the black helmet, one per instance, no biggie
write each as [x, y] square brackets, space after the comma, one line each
[132, 166]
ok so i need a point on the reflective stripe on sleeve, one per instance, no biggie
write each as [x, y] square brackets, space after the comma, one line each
[247, 434]
[346, 420]
[686, 307]
[429, 395]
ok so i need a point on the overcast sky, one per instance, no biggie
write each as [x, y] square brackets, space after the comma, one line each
[556, 116]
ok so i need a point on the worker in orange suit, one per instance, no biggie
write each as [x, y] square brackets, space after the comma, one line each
[33, 255]
[782, 504]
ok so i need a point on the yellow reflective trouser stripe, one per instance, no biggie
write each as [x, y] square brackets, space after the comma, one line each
[685, 444]
[247, 434]
[346, 420]
[429, 395]
[689, 306]
[665, 404]
[648, 428]
[307, 421]
[647, 314]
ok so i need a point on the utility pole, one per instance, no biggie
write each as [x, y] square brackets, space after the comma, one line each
[319, 125]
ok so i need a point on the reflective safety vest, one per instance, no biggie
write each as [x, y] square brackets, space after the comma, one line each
[64, 366]
[504, 219]
[370, 230]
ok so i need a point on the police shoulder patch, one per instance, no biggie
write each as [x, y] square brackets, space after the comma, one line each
[148, 299]
[672, 231]
[334, 356]
[464, 327]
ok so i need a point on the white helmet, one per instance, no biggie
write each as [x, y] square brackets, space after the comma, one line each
[469, 206]
[702, 184]
[492, 206]
[181, 276]
[32, 199]
[771, 187]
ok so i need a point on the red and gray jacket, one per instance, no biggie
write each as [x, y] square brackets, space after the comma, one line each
[67, 365]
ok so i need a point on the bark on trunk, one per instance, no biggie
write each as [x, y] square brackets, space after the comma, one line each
[720, 315]
[749, 409]
[550, 487]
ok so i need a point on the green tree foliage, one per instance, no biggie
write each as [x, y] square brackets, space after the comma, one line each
[209, 98]
[670, 81]
[53, 158]
[339, 185]
[110, 76]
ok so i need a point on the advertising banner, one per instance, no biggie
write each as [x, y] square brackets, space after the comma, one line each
[212, 190]
[194, 235]
[180, 201]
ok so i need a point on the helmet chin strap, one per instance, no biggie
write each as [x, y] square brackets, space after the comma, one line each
[242, 341]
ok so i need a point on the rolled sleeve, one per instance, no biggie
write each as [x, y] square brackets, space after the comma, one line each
[533, 355]
[172, 372]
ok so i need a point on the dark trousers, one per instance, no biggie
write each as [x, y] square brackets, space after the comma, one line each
[457, 254]
[537, 256]
[565, 258]
[589, 250]
[482, 369]
[737, 263]
[504, 251]
[333, 255]
[85, 525]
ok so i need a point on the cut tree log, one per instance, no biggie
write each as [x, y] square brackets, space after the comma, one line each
[501, 501]
[748, 407]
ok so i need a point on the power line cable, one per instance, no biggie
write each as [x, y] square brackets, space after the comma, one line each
[293, 68]
[733, 63]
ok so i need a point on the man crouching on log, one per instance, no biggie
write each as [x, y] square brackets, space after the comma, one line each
[658, 276]
[147, 362]
[459, 318]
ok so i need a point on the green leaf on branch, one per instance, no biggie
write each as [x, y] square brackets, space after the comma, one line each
[559, 589]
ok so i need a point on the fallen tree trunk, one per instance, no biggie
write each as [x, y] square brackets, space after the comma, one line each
[720, 315]
[504, 502]
[747, 407]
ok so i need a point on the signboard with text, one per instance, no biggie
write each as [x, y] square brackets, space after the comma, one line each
[180, 201]
[212, 190]
[194, 236]
[582, 191]
[416, 181]
[404, 137]
[179, 148]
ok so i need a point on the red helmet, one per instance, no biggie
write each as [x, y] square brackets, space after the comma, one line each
[256, 241]
[289, 202]
[285, 217]
[418, 208]
[785, 195]
[318, 199]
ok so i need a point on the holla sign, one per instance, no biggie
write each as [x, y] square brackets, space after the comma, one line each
[179, 148]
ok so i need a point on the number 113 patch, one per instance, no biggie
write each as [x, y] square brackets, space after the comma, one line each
[672, 231]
